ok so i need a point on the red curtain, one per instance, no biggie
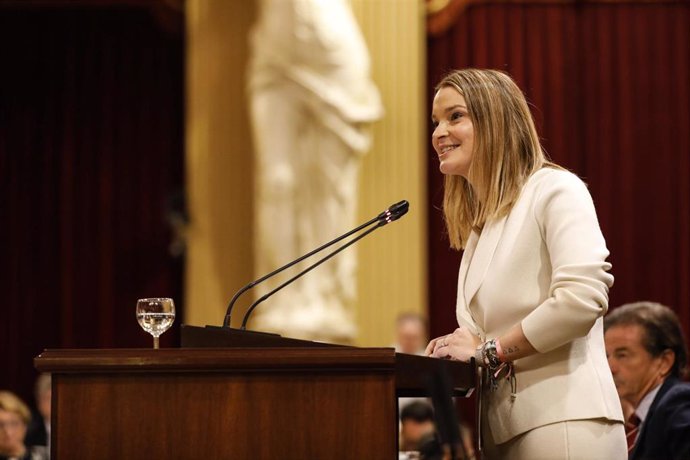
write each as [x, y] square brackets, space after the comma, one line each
[610, 88]
[91, 169]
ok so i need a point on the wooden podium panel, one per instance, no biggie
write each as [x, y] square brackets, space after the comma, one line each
[230, 394]
[238, 403]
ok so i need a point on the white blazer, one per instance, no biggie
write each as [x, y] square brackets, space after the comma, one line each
[544, 266]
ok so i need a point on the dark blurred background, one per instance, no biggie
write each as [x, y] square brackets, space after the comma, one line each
[91, 165]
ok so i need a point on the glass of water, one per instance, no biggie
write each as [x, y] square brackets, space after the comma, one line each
[155, 316]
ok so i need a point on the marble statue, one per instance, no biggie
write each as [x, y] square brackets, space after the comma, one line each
[312, 102]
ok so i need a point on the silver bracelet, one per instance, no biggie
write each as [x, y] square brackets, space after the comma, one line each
[486, 355]
[491, 354]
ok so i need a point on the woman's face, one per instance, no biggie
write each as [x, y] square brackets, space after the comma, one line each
[12, 431]
[453, 135]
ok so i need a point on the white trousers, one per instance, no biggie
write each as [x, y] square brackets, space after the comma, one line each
[593, 439]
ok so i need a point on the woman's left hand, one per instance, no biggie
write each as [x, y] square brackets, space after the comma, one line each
[460, 345]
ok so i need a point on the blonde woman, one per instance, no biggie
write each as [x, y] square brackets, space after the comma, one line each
[533, 281]
[14, 418]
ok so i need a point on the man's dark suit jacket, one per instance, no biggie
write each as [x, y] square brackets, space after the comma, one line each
[665, 433]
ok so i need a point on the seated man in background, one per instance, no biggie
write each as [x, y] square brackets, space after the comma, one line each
[411, 338]
[410, 334]
[647, 355]
[416, 422]
[418, 433]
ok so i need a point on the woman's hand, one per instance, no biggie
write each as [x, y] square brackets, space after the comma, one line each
[460, 345]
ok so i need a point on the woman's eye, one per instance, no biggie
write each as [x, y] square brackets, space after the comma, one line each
[456, 115]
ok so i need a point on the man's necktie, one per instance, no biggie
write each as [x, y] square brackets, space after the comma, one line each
[632, 427]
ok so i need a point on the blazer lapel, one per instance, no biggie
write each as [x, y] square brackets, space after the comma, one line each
[483, 254]
[462, 310]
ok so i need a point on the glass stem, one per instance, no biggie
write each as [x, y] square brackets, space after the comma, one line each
[155, 343]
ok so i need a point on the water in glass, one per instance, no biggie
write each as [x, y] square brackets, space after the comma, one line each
[155, 316]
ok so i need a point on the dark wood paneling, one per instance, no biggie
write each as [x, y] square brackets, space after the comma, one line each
[239, 403]
[208, 403]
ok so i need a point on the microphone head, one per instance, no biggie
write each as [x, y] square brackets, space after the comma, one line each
[394, 212]
[399, 209]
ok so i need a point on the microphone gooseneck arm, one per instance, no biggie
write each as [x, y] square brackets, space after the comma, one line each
[394, 212]
[307, 270]
[228, 313]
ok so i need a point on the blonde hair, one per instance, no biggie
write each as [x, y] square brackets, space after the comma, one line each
[506, 153]
[11, 403]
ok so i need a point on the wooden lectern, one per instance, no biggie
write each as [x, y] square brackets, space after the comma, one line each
[229, 394]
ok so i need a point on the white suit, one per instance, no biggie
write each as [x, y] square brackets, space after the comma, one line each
[543, 266]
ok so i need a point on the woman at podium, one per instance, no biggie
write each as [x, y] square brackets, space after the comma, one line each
[533, 281]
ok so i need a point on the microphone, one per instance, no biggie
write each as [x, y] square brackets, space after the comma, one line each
[394, 212]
